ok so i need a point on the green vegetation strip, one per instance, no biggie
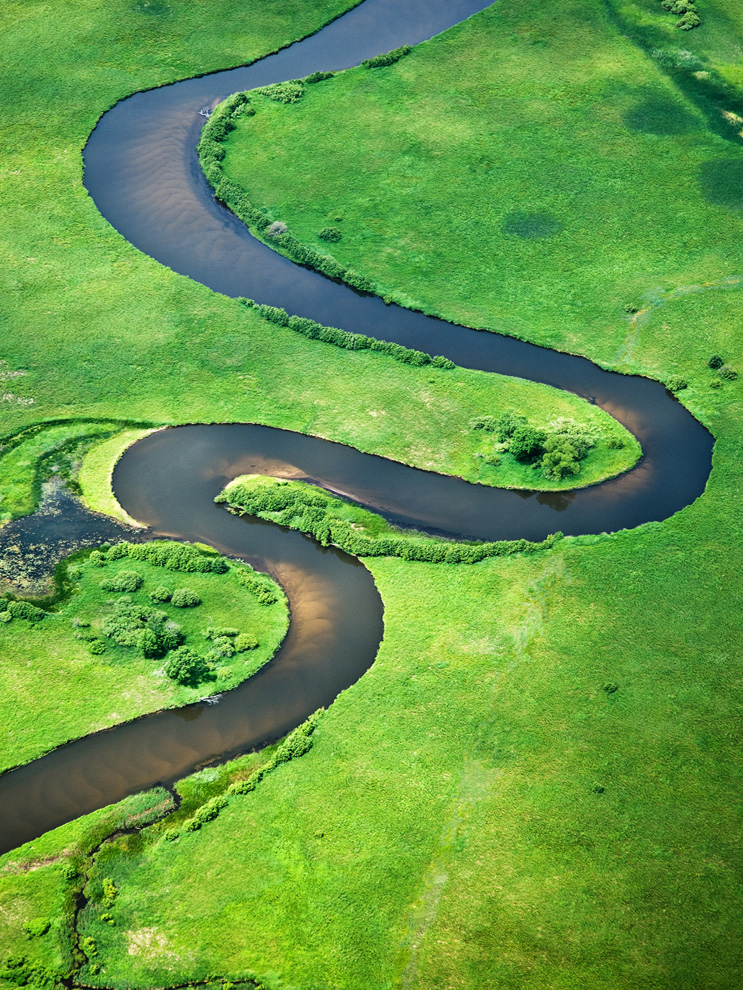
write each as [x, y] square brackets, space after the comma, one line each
[141, 627]
[331, 520]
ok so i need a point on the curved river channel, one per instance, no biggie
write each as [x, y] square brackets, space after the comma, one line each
[142, 172]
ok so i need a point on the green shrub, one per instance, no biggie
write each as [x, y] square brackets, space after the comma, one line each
[245, 641]
[615, 443]
[727, 373]
[487, 423]
[151, 645]
[97, 559]
[5, 616]
[214, 632]
[560, 458]
[185, 598]
[507, 425]
[186, 667]
[526, 443]
[161, 594]
[330, 234]
[291, 91]
[379, 61]
[715, 362]
[676, 383]
[317, 77]
[96, 647]
[124, 581]
[171, 556]
[25, 610]
[37, 927]
[110, 890]
[689, 21]
[222, 648]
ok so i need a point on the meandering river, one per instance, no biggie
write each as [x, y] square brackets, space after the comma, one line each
[142, 172]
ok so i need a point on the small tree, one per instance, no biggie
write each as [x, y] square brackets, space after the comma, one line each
[186, 667]
[526, 443]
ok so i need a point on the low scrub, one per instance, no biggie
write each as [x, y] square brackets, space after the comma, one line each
[330, 520]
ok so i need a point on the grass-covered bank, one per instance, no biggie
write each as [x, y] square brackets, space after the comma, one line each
[531, 788]
[334, 521]
[541, 160]
[40, 884]
[140, 628]
[101, 332]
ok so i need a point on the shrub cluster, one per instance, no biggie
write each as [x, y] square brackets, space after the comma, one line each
[259, 585]
[187, 667]
[171, 556]
[330, 234]
[686, 11]
[389, 58]
[124, 581]
[296, 744]
[290, 91]
[129, 624]
[22, 610]
[676, 383]
[558, 451]
[185, 598]
[346, 339]
[317, 77]
[315, 513]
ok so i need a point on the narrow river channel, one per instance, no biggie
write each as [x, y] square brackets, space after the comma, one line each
[141, 170]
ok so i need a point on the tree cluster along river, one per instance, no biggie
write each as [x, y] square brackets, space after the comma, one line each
[142, 172]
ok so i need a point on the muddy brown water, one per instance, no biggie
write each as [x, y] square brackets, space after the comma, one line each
[142, 172]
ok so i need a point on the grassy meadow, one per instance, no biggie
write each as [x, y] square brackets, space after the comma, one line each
[91, 648]
[98, 331]
[535, 784]
[544, 162]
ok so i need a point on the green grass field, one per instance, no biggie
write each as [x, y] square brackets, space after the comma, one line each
[535, 786]
[101, 332]
[538, 158]
[48, 666]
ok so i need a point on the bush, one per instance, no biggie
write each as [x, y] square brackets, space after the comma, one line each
[124, 581]
[215, 632]
[560, 458]
[379, 61]
[727, 373]
[222, 648]
[330, 234]
[507, 425]
[5, 616]
[526, 443]
[97, 559]
[689, 21]
[37, 927]
[171, 556]
[25, 610]
[185, 598]
[291, 91]
[317, 77]
[152, 645]
[715, 362]
[487, 423]
[96, 647]
[244, 642]
[186, 667]
[676, 383]
[161, 594]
